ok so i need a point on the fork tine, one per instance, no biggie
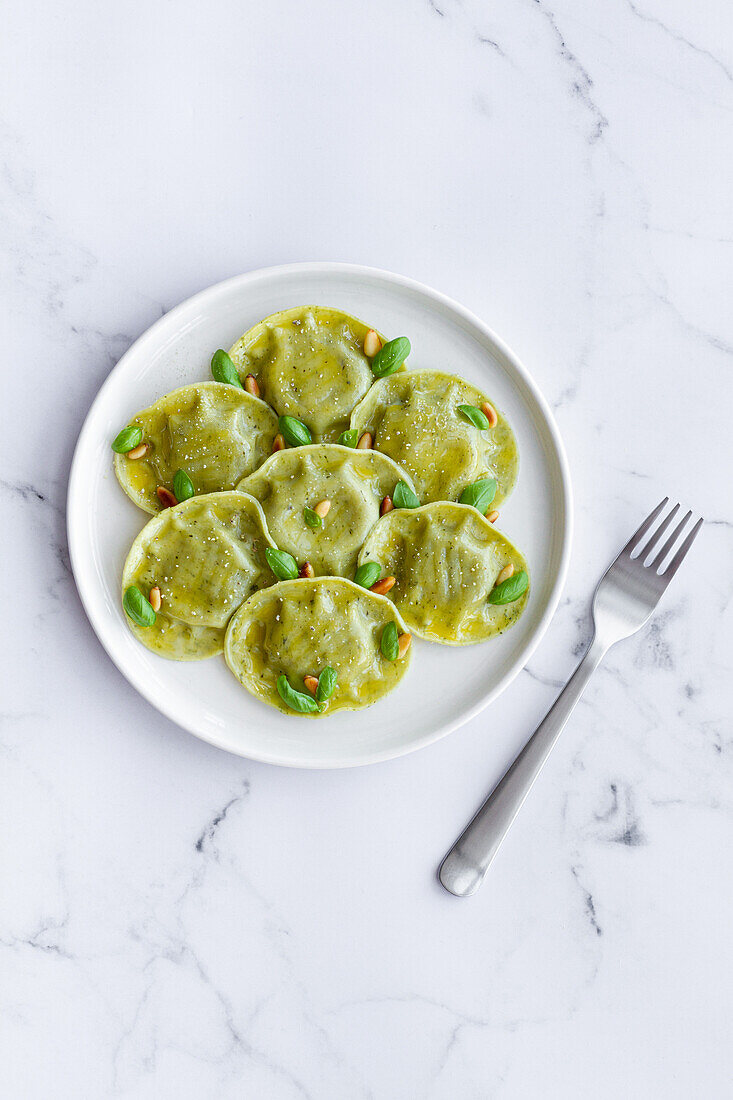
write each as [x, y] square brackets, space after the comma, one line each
[676, 561]
[656, 535]
[638, 535]
[670, 542]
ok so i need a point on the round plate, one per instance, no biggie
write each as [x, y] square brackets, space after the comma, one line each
[445, 686]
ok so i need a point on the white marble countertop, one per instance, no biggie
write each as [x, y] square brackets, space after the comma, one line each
[176, 922]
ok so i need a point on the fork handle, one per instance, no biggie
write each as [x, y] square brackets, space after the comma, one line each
[463, 869]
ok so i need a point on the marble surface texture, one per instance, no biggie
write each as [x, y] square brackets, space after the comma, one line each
[177, 922]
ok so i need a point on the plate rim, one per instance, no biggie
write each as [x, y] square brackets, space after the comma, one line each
[446, 302]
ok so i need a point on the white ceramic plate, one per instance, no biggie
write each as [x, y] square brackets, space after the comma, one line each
[445, 686]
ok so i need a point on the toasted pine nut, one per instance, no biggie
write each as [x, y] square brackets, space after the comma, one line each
[138, 452]
[306, 570]
[386, 506]
[278, 443]
[506, 573]
[492, 517]
[365, 441]
[154, 598]
[490, 413]
[250, 385]
[372, 343]
[311, 683]
[166, 497]
[403, 644]
[322, 508]
[382, 587]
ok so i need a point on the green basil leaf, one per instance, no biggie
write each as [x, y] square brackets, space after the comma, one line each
[296, 700]
[283, 564]
[510, 589]
[403, 496]
[312, 518]
[294, 431]
[223, 369]
[389, 643]
[368, 574]
[137, 607]
[478, 419]
[349, 438]
[182, 486]
[127, 440]
[480, 494]
[326, 684]
[389, 358]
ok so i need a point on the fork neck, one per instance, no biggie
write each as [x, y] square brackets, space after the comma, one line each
[595, 653]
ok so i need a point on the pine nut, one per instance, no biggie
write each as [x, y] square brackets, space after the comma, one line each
[372, 343]
[490, 413]
[306, 570]
[154, 598]
[506, 573]
[383, 587]
[322, 508]
[403, 644]
[278, 443]
[311, 683]
[166, 497]
[492, 517]
[138, 452]
[386, 506]
[250, 385]
[365, 441]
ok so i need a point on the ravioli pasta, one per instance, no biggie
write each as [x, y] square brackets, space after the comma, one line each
[298, 628]
[353, 482]
[309, 363]
[207, 555]
[215, 432]
[445, 558]
[413, 417]
[204, 576]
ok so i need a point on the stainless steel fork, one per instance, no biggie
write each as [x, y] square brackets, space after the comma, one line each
[626, 596]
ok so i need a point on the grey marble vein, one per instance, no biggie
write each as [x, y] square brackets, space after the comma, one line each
[677, 37]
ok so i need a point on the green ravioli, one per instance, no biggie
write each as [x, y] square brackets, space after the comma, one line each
[309, 363]
[301, 628]
[291, 483]
[445, 559]
[216, 433]
[207, 556]
[414, 417]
